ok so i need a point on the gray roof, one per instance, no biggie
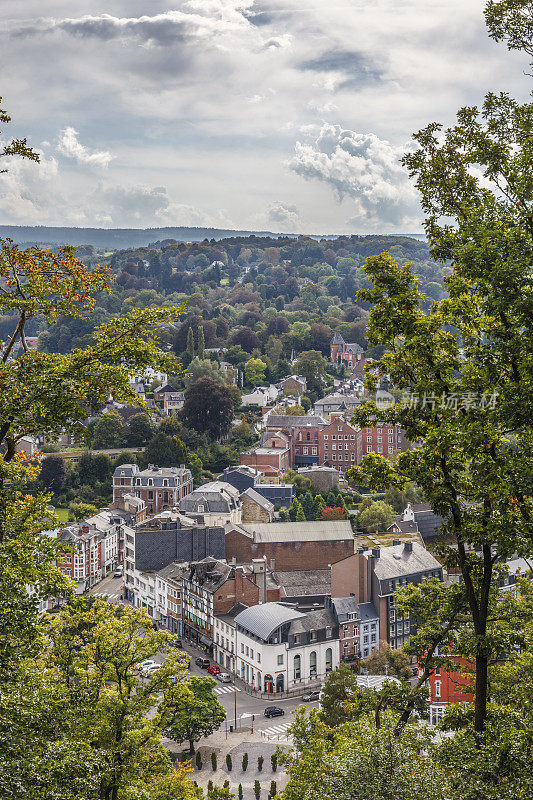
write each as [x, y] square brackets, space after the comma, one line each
[367, 611]
[427, 521]
[262, 620]
[314, 621]
[300, 531]
[374, 681]
[337, 338]
[345, 605]
[216, 496]
[259, 499]
[396, 561]
[290, 421]
[304, 582]
[404, 527]
[353, 347]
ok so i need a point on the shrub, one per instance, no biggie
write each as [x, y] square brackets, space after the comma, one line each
[274, 761]
[199, 764]
[229, 763]
[244, 762]
[260, 760]
[257, 790]
[214, 761]
[226, 784]
[209, 787]
[273, 788]
[239, 791]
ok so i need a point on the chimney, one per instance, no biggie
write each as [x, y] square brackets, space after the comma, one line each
[375, 552]
[396, 541]
[238, 585]
[408, 547]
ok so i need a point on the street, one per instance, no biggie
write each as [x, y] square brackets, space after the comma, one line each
[230, 696]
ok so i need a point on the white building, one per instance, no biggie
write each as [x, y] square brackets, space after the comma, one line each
[216, 503]
[281, 649]
[260, 396]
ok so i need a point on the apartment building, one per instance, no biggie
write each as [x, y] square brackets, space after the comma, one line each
[160, 488]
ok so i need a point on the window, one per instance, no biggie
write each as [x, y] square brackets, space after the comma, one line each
[314, 451]
[437, 688]
[242, 647]
[312, 664]
[280, 659]
[296, 638]
[258, 656]
[368, 449]
[297, 665]
[437, 671]
[329, 659]
[329, 633]
[339, 427]
[369, 438]
[247, 651]
[251, 653]
[380, 438]
[326, 437]
[306, 450]
[313, 636]
[380, 449]
[201, 509]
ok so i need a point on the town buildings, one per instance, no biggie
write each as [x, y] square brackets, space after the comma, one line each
[290, 545]
[96, 545]
[279, 648]
[350, 354]
[161, 488]
[173, 402]
[372, 576]
[214, 503]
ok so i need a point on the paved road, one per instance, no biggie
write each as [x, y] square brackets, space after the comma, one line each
[240, 706]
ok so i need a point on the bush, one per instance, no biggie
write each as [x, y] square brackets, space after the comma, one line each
[260, 761]
[229, 763]
[244, 762]
[274, 761]
[257, 790]
[226, 784]
[273, 788]
[239, 791]
[214, 761]
[199, 763]
[209, 787]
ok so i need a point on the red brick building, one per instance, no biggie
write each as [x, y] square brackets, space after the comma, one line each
[337, 445]
[447, 686]
[161, 488]
[383, 439]
[351, 354]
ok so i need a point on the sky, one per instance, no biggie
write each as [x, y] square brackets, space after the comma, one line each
[244, 114]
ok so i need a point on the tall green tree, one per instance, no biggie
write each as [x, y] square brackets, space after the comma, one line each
[464, 363]
[201, 342]
[198, 714]
[208, 407]
[254, 371]
[190, 343]
[109, 432]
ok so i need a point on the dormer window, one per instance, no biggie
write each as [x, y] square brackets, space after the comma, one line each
[201, 509]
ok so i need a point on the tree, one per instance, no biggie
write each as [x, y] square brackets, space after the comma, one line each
[319, 505]
[201, 342]
[17, 147]
[300, 515]
[308, 505]
[331, 513]
[190, 343]
[255, 371]
[198, 714]
[139, 430]
[312, 365]
[338, 695]
[376, 517]
[475, 346]
[208, 407]
[108, 432]
[53, 474]
[357, 760]
[203, 368]
[383, 660]
[80, 510]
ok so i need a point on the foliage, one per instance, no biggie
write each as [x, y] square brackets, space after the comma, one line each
[108, 432]
[214, 761]
[199, 762]
[198, 714]
[274, 762]
[245, 762]
[260, 761]
[208, 407]
[338, 696]
[357, 761]
[228, 762]
[383, 660]
[330, 514]
[257, 789]
[377, 516]
[254, 371]
[273, 788]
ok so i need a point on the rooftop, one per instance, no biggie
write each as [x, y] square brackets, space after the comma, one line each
[304, 582]
[299, 531]
[293, 421]
[397, 560]
[262, 620]
[259, 499]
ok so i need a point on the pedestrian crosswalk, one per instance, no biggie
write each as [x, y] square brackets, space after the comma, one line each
[226, 690]
[276, 730]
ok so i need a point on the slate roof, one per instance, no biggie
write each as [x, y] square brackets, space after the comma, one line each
[304, 582]
[259, 499]
[209, 573]
[216, 496]
[288, 421]
[345, 605]
[353, 347]
[397, 561]
[313, 621]
[299, 531]
[337, 338]
[262, 620]
[367, 611]
[427, 521]
[404, 527]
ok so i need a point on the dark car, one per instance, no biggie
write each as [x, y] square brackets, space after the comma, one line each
[202, 662]
[274, 711]
[309, 697]
[176, 643]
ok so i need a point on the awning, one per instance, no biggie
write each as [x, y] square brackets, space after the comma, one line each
[206, 641]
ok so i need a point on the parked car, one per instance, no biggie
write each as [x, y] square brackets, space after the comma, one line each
[309, 697]
[274, 711]
[149, 662]
[151, 669]
[119, 572]
[214, 669]
[203, 663]
[223, 677]
[176, 643]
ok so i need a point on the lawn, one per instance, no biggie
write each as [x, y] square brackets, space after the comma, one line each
[62, 514]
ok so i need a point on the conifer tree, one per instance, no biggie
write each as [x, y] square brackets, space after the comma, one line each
[201, 342]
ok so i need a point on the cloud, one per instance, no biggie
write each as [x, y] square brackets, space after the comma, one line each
[71, 147]
[213, 20]
[284, 215]
[344, 68]
[362, 167]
